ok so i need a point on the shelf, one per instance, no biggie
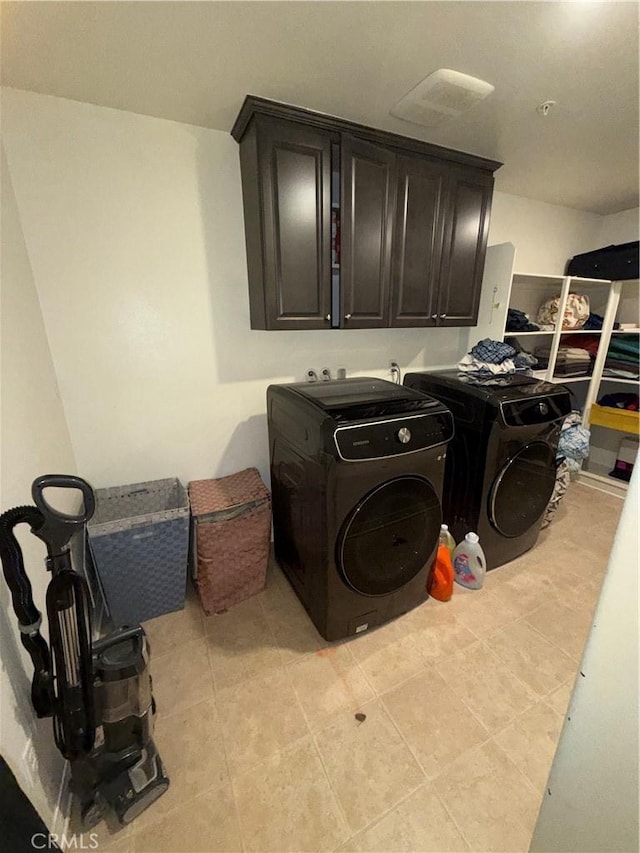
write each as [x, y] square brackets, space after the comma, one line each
[557, 380]
[596, 281]
[620, 379]
[562, 380]
[543, 279]
[625, 331]
[597, 477]
[518, 334]
[581, 332]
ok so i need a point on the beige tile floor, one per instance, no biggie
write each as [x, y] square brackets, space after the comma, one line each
[464, 704]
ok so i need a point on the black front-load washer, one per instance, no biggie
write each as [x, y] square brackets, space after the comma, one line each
[357, 467]
[500, 470]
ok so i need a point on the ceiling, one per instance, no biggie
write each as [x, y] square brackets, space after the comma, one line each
[195, 61]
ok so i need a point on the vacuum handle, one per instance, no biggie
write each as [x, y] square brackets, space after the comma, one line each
[63, 481]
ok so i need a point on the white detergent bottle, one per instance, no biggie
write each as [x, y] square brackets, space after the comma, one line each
[469, 563]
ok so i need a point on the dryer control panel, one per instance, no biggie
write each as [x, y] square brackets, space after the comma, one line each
[536, 410]
[393, 437]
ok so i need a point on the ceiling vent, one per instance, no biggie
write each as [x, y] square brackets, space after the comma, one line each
[443, 94]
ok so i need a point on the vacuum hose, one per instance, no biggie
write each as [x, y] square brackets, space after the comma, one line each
[29, 617]
[62, 684]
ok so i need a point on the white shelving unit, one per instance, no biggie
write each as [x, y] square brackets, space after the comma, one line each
[504, 287]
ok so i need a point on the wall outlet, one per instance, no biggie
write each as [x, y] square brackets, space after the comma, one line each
[30, 762]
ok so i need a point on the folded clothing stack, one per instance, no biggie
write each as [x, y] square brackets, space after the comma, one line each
[518, 321]
[629, 402]
[570, 361]
[594, 322]
[490, 359]
[623, 355]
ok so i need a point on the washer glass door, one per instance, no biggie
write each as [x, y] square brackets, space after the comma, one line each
[389, 536]
[522, 489]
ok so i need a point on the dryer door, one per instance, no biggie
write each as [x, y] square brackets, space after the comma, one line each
[522, 489]
[389, 536]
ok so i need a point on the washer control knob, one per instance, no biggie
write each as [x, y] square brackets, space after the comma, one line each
[404, 435]
[543, 408]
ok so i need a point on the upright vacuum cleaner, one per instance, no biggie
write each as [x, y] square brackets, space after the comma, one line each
[99, 694]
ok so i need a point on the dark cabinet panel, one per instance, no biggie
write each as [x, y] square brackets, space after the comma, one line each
[417, 242]
[410, 233]
[465, 243]
[366, 226]
[294, 179]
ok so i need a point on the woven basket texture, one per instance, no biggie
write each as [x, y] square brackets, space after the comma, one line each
[207, 496]
[139, 541]
[232, 516]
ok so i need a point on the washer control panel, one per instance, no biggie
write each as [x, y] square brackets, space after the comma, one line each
[396, 436]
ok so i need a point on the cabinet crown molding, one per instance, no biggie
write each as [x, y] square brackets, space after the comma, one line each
[255, 105]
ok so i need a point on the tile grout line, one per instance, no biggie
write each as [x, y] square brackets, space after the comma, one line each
[139, 832]
[224, 749]
[445, 806]
[557, 645]
[425, 783]
[523, 775]
[513, 675]
[523, 620]
[243, 842]
[312, 735]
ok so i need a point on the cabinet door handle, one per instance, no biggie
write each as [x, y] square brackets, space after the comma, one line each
[442, 316]
[434, 316]
[347, 316]
[328, 317]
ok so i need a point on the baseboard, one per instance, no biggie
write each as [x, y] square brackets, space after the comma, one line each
[62, 813]
[617, 488]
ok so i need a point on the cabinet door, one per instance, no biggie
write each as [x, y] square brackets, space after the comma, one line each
[367, 220]
[417, 242]
[465, 243]
[294, 168]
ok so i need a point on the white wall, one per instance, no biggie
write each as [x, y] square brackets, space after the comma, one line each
[623, 227]
[135, 235]
[545, 235]
[592, 792]
[35, 441]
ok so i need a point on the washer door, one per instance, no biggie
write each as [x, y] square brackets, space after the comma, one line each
[522, 489]
[389, 536]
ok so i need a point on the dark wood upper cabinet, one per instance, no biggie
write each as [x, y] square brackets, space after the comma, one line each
[286, 178]
[413, 220]
[366, 226]
[465, 242]
[417, 241]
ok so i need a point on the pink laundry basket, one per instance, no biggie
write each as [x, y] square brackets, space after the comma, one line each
[231, 531]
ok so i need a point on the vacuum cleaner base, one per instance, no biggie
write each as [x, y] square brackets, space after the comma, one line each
[129, 793]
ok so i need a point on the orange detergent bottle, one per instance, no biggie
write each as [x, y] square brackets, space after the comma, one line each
[441, 577]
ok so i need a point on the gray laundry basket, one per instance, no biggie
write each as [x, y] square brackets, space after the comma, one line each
[139, 541]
